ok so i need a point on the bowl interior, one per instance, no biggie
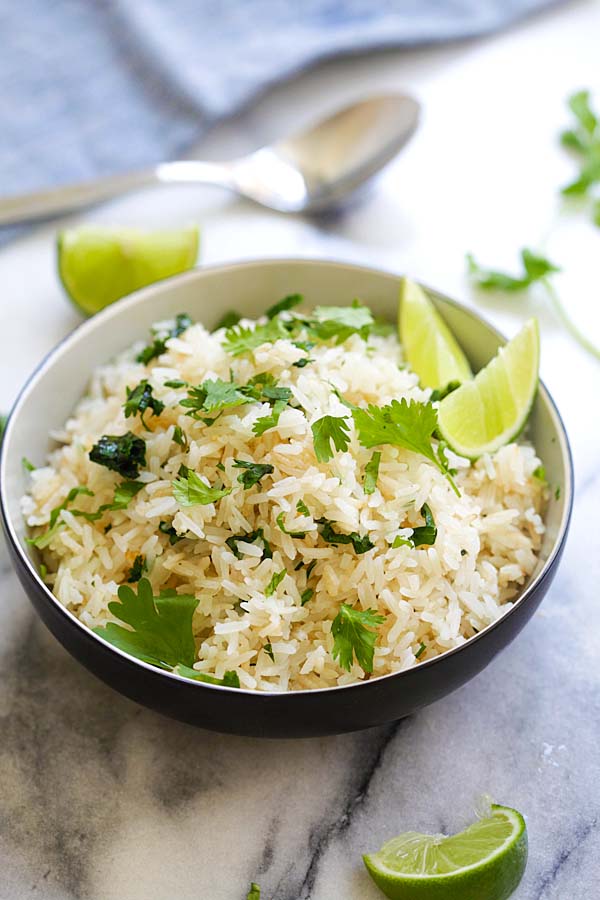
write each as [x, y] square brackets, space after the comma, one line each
[54, 389]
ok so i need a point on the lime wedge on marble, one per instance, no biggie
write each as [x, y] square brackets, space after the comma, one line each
[484, 414]
[484, 862]
[98, 265]
[430, 348]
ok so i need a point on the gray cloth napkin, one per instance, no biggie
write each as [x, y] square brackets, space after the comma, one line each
[97, 86]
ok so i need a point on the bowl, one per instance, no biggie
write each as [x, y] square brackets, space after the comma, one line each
[50, 395]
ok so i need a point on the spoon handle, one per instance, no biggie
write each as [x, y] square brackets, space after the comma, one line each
[53, 202]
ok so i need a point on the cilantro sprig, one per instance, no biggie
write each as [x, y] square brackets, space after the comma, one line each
[190, 490]
[537, 269]
[354, 635]
[158, 344]
[330, 430]
[265, 423]
[583, 139]
[410, 425]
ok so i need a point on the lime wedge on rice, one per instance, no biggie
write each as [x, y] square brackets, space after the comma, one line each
[484, 414]
[99, 265]
[484, 862]
[430, 348]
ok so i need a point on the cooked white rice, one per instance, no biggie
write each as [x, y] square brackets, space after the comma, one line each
[437, 596]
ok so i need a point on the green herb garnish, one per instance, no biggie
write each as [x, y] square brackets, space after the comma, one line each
[306, 595]
[123, 495]
[421, 650]
[539, 473]
[269, 650]
[254, 892]
[54, 525]
[213, 396]
[180, 437]
[249, 538]
[274, 583]
[427, 533]
[300, 363]
[170, 532]
[361, 543]
[229, 679]
[241, 339]
[27, 465]
[584, 141]
[293, 534]
[301, 507]
[287, 303]
[253, 472]
[354, 634]
[266, 422]
[372, 473]
[190, 490]
[158, 345]
[230, 319]
[141, 398]
[328, 430]
[123, 453]
[138, 568]
[403, 424]
[340, 322]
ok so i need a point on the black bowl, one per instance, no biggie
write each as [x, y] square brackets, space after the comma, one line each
[53, 390]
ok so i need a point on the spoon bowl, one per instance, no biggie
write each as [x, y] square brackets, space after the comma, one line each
[310, 171]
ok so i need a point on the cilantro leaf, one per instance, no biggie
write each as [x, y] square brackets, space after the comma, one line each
[539, 473]
[254, 472]
[427, 533]
[162, 626]
[139, 399]
[123, 453]
[584, 140]
[340, 322]
[420, 651]
[180, 437]
[254, 892]
[306, 595]
[269, 650]
[326, 430]
[230, 319]
[360, 543]
[372, 473]
[266, 422]
[249, 538]
[54, 525]
[229, 679]
[158, 345]
[190, 490]
[211, 396]
[300, 363]
[123, 495]
[274, 583]
[28, 465]
[264, 387]
[535, 268]
[240, 339]
[294, 534]
[354, 634]
[288, 302]
[138, 568]
[301, 507]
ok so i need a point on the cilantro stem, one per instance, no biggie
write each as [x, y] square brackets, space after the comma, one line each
[566, 320]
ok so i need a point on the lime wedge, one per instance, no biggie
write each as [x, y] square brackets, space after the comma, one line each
[484, 414]
[99, 265]
[430, 348]
[484, 862]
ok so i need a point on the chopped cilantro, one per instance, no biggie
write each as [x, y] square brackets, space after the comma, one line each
[249, 538]
[294, 534]
[177, 383]
[266, 422]
[299, 565]
[372, 473]
[354, 634]
[122, 497]
[274, 583]
[55, 525]
[159, 343]
[212, 396]
[180, 437]
[301, 507]
[288, 302]
[3, 421]
[170, 531]
[300, 363]
[123, 453]
[229, 679]
[340, 322]
[230, 319]
[139, 399]
[137, 570]
[253, 472]
[401, 542]
[310, 568]
[420, 651]
[27, 465]
[254, 892]
[190, 490]
[584, 140]
[240, 339]
[43, 571]
[161, 626]
[557, 492]
[269, 650]
[220, 467]
[427, 533]
[361, 543]
[408, 425]
[326, 430]
[540, 474]
[306, 595]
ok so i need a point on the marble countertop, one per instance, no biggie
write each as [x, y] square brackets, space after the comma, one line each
[103, 800]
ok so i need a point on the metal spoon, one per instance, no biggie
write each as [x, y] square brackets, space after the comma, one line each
[308, 172]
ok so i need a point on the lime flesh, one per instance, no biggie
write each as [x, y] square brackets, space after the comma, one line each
[484, 862]
[430, 348]
[99, 265]
[484, 414]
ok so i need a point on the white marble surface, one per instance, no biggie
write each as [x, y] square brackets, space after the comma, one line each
[103, 800]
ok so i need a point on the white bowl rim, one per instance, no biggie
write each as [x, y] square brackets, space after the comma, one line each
[141, 296]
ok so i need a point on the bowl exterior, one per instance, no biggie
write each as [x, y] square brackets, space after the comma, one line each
[292, 714]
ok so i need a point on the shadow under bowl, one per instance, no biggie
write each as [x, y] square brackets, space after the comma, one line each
[54, 389]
